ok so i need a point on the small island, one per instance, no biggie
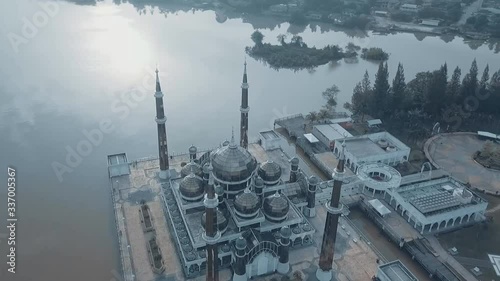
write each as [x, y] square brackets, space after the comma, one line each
[297, 55]
[374, 54]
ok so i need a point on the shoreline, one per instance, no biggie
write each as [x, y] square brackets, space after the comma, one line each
[375, 26]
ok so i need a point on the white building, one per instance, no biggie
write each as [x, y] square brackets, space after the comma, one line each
[409, 8]
[328, 133]
[395, 271]
[437, 204]
[279, 8]
[430, 22]
[379, 147]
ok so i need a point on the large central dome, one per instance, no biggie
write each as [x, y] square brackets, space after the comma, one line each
[233, 164]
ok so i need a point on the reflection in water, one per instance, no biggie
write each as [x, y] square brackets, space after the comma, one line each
[266, 22]
[420, 36]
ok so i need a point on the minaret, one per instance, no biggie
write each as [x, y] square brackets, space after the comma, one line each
[283, 250]
[239, 266]
[244, 110]
[162, 131]
[211, 234]
[259, 188]
[192, 152]
[334, 209]
[294, 169]
[310, 209]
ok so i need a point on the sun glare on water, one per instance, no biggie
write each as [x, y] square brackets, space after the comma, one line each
[114, 43]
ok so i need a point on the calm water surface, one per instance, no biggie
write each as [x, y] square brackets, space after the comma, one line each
[87, 64]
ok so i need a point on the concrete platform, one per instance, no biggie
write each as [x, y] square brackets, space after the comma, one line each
[353, 260]
[453, 153]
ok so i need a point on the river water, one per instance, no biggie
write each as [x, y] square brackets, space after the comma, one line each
[73, 70]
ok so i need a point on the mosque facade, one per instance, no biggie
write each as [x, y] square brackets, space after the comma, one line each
[226, 208]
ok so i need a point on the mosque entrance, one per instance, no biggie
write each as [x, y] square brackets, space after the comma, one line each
[264, 263]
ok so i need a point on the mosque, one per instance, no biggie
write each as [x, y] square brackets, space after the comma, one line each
[240, 205]
[245, 206]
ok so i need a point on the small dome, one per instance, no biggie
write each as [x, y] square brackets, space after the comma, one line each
[313, 180]
[233, 164]
[270, 172]
[259, 181]
[222, 222]
[295, 161]
[219, 190]
[276, 207]
[191, 187]
[192, 149]
[240, 243]
[246, 204]
[192, 167]
[206, 168]
[285, 232]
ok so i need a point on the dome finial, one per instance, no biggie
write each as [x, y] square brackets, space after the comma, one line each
[158, 87]
[245, 66]
[232, 144]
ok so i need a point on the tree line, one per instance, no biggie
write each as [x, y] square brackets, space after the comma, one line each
[432, 96]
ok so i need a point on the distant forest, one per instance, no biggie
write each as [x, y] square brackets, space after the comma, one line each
[468, 103]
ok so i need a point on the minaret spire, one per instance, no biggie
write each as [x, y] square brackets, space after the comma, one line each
[211, 234]
[244, 109]
[334, 209]
[162, 131]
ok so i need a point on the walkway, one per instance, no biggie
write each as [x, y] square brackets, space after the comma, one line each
[446, 258]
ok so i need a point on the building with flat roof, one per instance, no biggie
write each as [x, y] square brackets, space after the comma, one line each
[437, 204]
[269, 140]
[379, 147]
[430, 22]
[395, 271]
[409, 8]
[328, 133]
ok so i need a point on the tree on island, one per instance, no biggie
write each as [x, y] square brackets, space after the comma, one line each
[295, 54]
[330, 94]
[374, 54]
[257, 38]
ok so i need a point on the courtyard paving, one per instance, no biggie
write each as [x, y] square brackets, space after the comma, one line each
[453, 153]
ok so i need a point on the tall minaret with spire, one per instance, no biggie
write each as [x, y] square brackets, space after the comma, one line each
[334, 209]
[162, 131]
[244, 110]
[211, 234]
